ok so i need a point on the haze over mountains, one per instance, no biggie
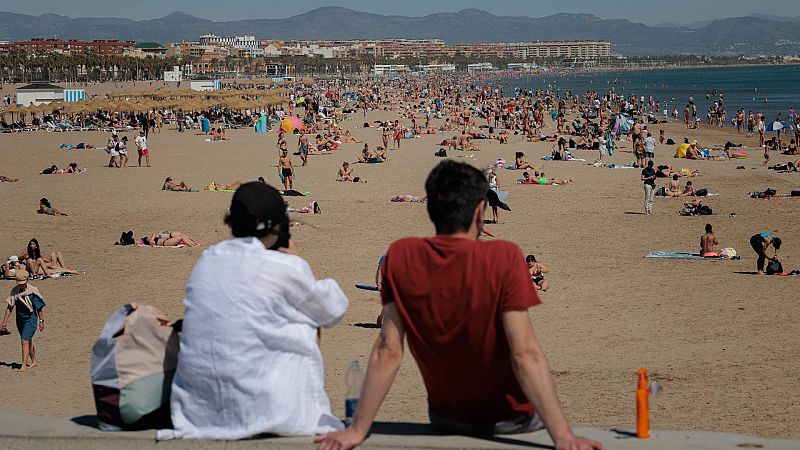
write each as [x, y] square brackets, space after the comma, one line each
[755, 34]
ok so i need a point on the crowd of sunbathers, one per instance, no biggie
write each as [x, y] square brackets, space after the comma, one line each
[35, 263]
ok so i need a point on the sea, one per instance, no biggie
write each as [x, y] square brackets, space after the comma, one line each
[770, 89]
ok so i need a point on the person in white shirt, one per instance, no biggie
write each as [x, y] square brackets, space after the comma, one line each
[249, 360]
[649, 146]
[141, 146]
[112, 150]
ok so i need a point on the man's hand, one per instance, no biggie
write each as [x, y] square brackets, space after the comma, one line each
[339, 440]
[41, 325]
[578, 443]
[291, 249]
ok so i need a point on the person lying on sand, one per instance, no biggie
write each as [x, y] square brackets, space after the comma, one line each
[54, 170]
[403, 198]
[45, 208]
[170, 185]
[312, 207]
[214, 186]
[169, 239]
[8, 179]
[539, 178]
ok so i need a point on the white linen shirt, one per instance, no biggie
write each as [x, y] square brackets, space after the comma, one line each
[249, 361]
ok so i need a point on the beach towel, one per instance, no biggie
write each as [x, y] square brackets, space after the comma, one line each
[190, 190]
[621, 166]
[682, 255]
[43, 277]
[293, 193]
[141, 244]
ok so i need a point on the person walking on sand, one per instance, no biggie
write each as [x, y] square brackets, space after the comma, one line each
[485, 372]
[30, 316]
[141, 146]
[649, 179]
[302, 147]
[286, 169]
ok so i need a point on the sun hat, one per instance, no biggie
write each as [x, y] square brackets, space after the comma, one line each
[13, 258]
[694, 142]
[21, 276]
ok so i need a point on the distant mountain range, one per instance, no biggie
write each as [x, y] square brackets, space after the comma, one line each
[731, 36]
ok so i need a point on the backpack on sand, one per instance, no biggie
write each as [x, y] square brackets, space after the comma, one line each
[133, 363]
[774, 267]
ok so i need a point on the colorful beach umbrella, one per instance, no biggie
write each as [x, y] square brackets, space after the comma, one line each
[291, 123]
[778, 125]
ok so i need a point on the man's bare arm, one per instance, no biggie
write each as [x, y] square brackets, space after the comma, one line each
[384, 362]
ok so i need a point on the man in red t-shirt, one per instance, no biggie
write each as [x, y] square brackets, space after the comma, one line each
[464, 305]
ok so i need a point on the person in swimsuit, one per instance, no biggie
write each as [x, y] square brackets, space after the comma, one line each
[286, 169]
[214, 186]
[760, 243]
[45, 208]
[169, 239]
[48, 265]
[707, 242]
[170, 185]
[302, 148]
[537, 271]
[345, 173]
[385, 134]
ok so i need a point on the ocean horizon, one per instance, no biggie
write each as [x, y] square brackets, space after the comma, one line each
[744, 87]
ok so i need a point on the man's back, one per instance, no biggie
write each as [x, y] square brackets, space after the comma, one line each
[451, 294]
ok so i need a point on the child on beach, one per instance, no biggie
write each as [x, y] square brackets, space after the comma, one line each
[537, 271]
[30, 316]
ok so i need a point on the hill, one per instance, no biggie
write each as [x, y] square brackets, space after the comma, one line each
[763, 35]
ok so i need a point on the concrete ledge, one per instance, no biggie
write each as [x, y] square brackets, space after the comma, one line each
[20, 431]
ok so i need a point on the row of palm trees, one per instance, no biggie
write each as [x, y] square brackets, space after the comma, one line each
[22, 68]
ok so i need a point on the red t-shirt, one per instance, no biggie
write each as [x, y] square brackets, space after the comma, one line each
[451, 294]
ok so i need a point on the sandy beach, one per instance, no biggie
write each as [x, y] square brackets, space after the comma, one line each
[721, 339]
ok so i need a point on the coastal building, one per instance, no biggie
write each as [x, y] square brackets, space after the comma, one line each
[205, 85]
[389, 69]
[240, 42]
[480, 67]
[38, 93]
[71, 46]
[522, 66]
[437, 68]
[561, 49]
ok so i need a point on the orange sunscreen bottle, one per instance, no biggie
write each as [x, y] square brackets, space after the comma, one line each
[642, 405]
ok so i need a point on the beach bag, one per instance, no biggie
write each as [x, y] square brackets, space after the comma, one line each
[704, 210]
[729, 253]
[770, 192]
[126, 238]
[661, 191]
[774, 267]
[795, 194]
[701, 192]
[133, 363]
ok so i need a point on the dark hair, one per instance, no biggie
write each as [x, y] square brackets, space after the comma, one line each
[454, 190]
[45, 202]
[650, 164]
[530, 258]
[708, 228]
[34, 253]
[519, 154]
[255, 208]
[146, 240]
[674, 176]
[777, 243]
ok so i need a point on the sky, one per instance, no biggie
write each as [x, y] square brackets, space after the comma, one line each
[650, 12]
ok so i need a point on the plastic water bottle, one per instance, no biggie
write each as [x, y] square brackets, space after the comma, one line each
[354, 378]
